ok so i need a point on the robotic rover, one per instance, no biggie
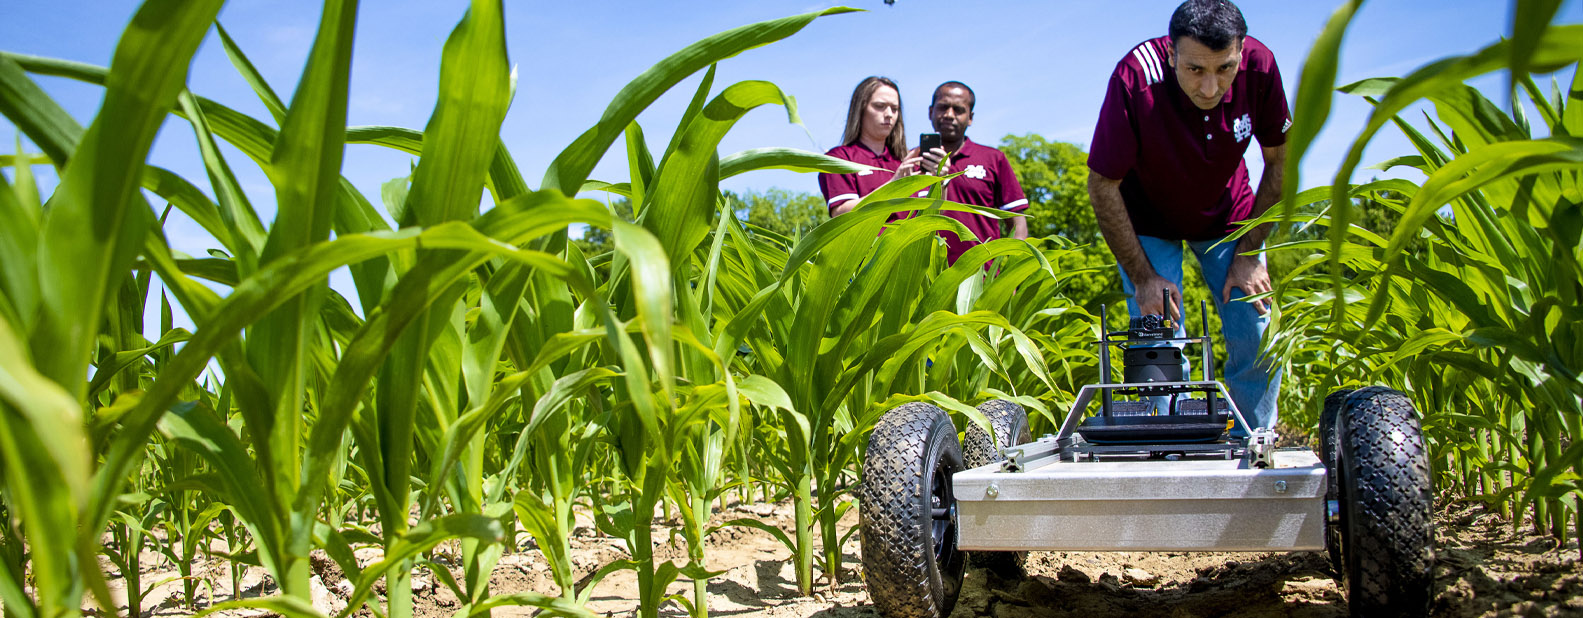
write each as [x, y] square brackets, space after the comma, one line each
[1140, 476]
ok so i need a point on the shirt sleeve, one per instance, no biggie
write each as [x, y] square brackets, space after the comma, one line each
[838, 188]
[1009, 191]
[1274, 119]
[1114, 149]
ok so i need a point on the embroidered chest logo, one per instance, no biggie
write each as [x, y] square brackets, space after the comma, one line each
[975, 172]
[1242, 128]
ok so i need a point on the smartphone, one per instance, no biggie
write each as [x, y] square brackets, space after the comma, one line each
[928, 141]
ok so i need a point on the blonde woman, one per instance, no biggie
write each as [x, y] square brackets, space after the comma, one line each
[874, 136]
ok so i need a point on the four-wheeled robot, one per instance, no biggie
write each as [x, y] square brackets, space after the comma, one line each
[1165, 464]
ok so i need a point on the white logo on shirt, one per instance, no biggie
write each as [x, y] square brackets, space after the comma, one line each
[1242, 128]
[865, 172]
[975, 172]
[1286, 126]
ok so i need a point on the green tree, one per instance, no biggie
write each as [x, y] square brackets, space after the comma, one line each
[598, 240]
[782, 211]
[1054, 175]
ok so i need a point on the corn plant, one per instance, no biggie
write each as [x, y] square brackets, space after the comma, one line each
[1480, 319]
[473, 326]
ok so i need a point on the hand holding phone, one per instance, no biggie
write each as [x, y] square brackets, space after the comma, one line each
[926, 143]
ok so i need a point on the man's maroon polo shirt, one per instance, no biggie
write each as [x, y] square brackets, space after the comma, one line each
[839, 188]
[1183, 176]
[986, 180]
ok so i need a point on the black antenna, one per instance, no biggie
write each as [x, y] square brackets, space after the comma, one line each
[1104, 362]
[1209, 350]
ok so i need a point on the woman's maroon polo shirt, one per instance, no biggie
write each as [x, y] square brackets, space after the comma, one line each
[839, 188]
[1183, 176]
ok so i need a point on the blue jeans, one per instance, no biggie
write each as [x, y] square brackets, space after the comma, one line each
[1253, 382]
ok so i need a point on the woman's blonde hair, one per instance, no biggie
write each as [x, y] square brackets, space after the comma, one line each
[896, 142]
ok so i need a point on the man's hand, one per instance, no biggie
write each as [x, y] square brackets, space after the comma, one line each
[932, 159]
[1147, 293]
[1248, 274]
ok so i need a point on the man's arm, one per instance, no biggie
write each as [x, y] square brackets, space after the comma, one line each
[1247, 272]
[1268, 194]
[1116, 226]
[1019, 228]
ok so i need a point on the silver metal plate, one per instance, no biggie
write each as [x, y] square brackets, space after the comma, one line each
[1149, 505]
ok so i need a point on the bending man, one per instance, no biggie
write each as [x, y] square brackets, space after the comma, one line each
[1167, 168]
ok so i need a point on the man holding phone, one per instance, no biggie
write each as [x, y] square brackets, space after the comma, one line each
[987, 178]
[1167, 169]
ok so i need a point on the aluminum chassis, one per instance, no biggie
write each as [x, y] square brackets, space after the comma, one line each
[1062, 493]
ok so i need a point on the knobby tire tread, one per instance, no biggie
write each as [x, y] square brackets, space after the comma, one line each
[898, 551]
[1387, 505]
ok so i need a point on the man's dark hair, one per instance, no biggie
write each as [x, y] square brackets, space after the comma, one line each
[972, 99]
[1215, 23]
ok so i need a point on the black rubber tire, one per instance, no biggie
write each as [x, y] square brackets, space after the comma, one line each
[1328, 440]
[910, 560]
[1010, 423]
[1387, 545]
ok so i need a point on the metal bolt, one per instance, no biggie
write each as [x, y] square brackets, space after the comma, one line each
[1280, 487]
[992, 491]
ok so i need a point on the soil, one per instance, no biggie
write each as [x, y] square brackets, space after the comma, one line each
[1485, 568]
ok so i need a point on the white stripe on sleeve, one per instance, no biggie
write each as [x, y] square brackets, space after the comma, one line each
[1022, 202]
[841, 198]
[1159, 67]
[1143, 62]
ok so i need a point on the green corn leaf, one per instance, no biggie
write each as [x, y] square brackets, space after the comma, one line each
[307, 154]
[243, 234]
[288, 606]
[276, 283]
[250, 74]
[640, 166]
[1476, 169]
[696, 105]
[96, 221]
[623, 189]
[593, 580]
[651, 287]
[764, 392]
[37, 116]
[792, 159]
[191, 202]
[1530, 18]
[44, 461]
[548, 605]
[339, 548]
[458, 142]
[105, 370]
[685, 192]
[198, 429]
[421, 538]
[1557, 47]
[505, 179]
[571, 167]
[1312, 105]
[18, 258]
[1423, 340]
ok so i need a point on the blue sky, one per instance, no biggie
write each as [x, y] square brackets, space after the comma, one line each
[1037, 67]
